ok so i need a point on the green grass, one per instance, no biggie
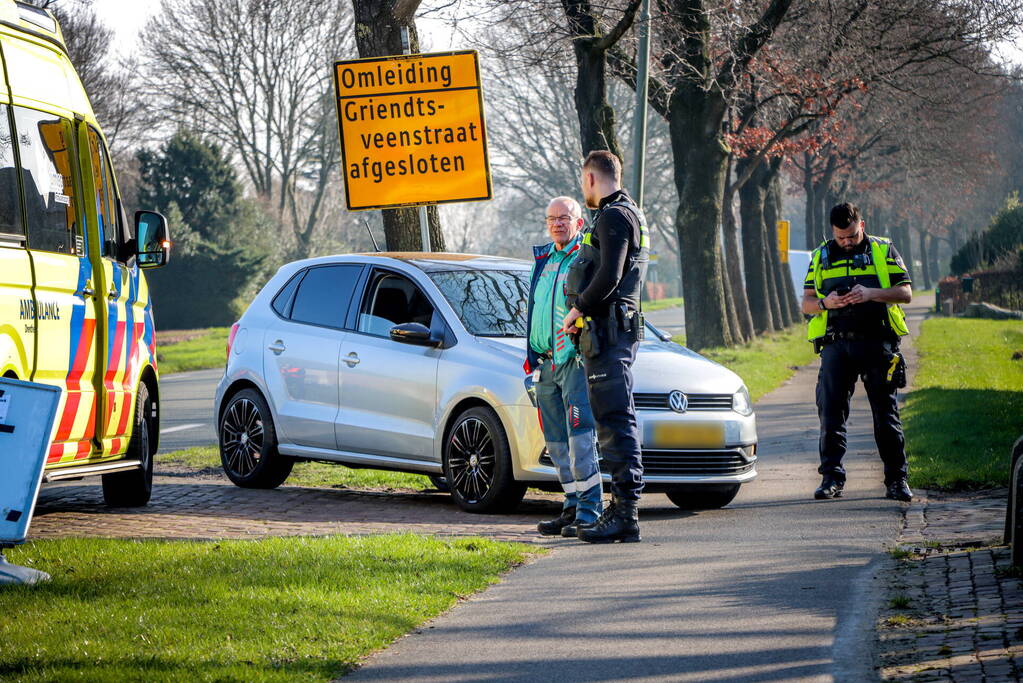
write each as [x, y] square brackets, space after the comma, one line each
[900, 602]
[660, 304]
[306, 473]
[278, 609]
[209, 350]
[966, 407]
[765, 363]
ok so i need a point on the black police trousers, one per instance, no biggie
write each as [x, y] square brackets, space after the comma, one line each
[609, 384]
[842, 363]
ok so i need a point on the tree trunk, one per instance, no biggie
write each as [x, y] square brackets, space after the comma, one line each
[700, 156]
[596, 116]
[901, 235]
[782, 278]
[378, 33]
[935, 261]
[925, 269]
[810, 213]
[743, 329]
[751, 213]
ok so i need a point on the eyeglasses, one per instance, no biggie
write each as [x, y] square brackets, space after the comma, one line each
[558, 219]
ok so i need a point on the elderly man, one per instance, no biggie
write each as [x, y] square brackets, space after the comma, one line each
[558, 374]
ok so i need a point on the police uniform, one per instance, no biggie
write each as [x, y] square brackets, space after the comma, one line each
[858, 341]
[605, 284]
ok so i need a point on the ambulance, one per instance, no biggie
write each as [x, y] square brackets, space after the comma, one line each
[75, 310]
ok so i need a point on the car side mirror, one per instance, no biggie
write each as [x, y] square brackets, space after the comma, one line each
[413, 333]
[152, 239]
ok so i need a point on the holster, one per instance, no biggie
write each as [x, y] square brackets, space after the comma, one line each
[589, 340]
[895, 366]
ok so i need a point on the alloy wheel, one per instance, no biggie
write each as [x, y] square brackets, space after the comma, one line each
[472, 460]
[243, 437]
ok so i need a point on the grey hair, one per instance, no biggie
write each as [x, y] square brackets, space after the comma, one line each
[573, 206]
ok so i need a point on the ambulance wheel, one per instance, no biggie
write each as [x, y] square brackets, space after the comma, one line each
[134, 487]
[248, 443]
[477, 464]
[703, 497]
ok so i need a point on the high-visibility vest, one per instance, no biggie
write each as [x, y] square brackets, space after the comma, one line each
[879, 246]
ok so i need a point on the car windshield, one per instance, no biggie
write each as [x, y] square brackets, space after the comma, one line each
[490, 303]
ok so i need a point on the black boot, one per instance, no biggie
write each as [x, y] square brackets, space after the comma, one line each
[554, 526]
[620, 522]
[829, 488]
[899, 490]
[572, 530]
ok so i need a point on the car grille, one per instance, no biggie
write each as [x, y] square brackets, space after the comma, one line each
[685, 463]
[696, 401]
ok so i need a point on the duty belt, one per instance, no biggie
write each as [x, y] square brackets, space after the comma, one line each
[855, 336]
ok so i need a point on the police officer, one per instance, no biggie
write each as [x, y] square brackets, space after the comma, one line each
[558, 376]
[604, 285]
[853, 290]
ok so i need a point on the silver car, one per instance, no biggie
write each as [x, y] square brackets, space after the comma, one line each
[413, 362]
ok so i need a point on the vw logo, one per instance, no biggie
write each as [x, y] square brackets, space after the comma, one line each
[678, 401]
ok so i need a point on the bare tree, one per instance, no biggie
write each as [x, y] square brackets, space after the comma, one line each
[253, 75]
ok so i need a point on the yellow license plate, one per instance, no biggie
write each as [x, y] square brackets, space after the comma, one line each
[688, 435]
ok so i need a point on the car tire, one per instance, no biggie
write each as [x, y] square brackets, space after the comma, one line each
[134, 488]
[439, 482]
[703, 497]
[248, 443]
[477, 464]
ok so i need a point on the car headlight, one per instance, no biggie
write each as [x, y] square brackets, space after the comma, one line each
[741, 403]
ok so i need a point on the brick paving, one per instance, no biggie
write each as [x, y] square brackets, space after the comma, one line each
[954, 608]
[208, 508]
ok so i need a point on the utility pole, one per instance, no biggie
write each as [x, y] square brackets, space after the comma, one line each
[424, 218]
[642, 85]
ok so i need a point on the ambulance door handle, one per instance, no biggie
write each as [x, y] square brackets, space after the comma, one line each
[112, 296]
[277, 347]
[352, 359]
[88, 291]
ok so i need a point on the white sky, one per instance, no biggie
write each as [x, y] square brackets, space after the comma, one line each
[127, 17]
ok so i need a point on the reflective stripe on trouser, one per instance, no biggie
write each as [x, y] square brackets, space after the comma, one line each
[842, 363]
[569, 433]
[609, 379]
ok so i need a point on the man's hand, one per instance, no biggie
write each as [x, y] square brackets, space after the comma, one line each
[834, 300]
[860, 294]
[568, 324]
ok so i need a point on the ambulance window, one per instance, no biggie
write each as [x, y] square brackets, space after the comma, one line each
[324, 295]
[106, 199]
[10, 204]
[45, 145]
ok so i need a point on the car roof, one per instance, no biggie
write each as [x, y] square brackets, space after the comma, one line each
[437, 261]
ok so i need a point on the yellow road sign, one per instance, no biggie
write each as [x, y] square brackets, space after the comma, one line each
[412, 130]
[783, 240]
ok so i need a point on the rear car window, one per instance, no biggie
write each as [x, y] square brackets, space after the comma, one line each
[324, 294]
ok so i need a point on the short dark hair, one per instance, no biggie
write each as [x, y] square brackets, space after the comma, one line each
[605, 163]
[844, 215]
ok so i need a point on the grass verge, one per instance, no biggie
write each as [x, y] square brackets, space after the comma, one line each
[765, 363]
[191, 349]
[660, 304]
[206, 460]
[277, 609]
[966, 407]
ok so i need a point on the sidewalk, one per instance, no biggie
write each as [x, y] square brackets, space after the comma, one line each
[954, 611]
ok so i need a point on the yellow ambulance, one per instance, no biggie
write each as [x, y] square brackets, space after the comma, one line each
[75, 310]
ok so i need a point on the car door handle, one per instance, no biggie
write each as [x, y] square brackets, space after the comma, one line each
[352, 359]
[277, 347]
[88, 291]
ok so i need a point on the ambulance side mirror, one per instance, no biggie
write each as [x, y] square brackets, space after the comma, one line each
[152, 239]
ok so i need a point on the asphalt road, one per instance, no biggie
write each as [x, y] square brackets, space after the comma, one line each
[186, 409]
[671, 320]
[775, 587]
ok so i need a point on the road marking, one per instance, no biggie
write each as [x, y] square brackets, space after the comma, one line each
[181, 428]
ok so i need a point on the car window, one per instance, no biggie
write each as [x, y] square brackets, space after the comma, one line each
[391, 300]
[10, 204]
[324, 294]
[490, 303]
[110, 228]
[44, 143]
[282, 301]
